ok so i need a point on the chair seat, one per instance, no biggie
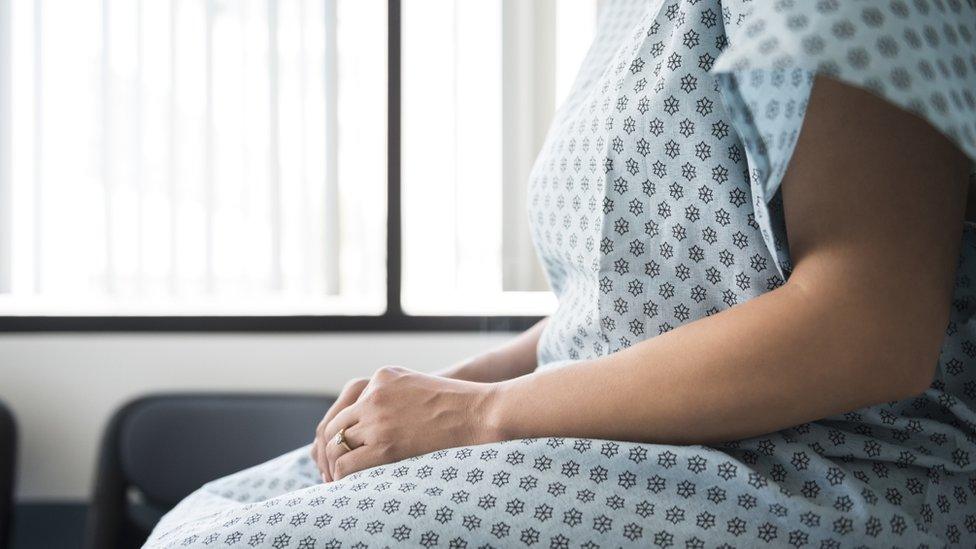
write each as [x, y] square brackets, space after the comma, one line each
[161, 448]
[145, 516]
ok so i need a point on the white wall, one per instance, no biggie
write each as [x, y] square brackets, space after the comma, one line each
[64, 387]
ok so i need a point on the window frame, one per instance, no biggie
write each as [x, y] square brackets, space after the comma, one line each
[392, 319]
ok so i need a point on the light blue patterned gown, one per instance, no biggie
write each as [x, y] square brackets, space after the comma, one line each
[654, 203]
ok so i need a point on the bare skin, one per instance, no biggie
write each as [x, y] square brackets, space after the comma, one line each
[874, 201]
[515, 358]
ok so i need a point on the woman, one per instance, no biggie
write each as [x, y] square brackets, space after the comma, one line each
[751, 345]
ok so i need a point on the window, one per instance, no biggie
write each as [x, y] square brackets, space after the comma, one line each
[197, 156]
[480, 83]
[229, 157]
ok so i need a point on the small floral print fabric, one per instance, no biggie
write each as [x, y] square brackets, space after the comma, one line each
[654, 202]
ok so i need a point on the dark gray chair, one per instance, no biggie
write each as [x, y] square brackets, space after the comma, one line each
[8, 458]
[158, 449]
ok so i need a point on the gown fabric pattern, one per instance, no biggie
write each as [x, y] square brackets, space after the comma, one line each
[653, 203]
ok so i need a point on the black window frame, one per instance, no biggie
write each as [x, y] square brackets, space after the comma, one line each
[392, 319]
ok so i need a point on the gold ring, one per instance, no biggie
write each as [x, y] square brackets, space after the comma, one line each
[340, 439]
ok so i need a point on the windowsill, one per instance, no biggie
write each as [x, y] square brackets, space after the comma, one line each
[67, 306]
[387, 322]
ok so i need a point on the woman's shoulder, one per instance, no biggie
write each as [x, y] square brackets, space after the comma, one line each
[919, 55]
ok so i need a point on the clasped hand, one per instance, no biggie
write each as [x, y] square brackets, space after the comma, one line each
[396, 414]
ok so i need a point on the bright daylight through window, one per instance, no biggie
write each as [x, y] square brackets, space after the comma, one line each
[228, 157]
[481, 81]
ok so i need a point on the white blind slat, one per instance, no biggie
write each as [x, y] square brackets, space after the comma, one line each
[6, 191]
[208, 160]
[38, 159]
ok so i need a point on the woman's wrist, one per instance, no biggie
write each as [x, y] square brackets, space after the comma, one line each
[532, 405]
[460, 371]
[495, 422]
[478, 368]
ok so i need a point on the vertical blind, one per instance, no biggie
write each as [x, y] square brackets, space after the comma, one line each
[481, 80]
[186, 153]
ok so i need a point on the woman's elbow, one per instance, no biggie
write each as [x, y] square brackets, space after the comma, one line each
[902, 350]
[889, 349]
[918, 379]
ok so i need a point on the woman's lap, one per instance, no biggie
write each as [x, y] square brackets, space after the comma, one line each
[538, 492]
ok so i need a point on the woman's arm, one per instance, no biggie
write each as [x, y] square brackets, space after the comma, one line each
[516, 357]
[874, 201]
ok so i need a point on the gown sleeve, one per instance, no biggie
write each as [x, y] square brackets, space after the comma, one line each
[920, 55]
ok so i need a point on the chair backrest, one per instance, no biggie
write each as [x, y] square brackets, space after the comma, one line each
[8, 457]
[166, 446]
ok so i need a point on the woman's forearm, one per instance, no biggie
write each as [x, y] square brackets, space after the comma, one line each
[514, 358]
[776, 361]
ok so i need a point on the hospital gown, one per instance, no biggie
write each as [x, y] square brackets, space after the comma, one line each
[655, 202]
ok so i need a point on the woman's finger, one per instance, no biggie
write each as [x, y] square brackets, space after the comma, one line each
[353, 435]
[345, 418]
[321, 444]
[318, 455]
[314, 454]
[349, 394]
[364, 457]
